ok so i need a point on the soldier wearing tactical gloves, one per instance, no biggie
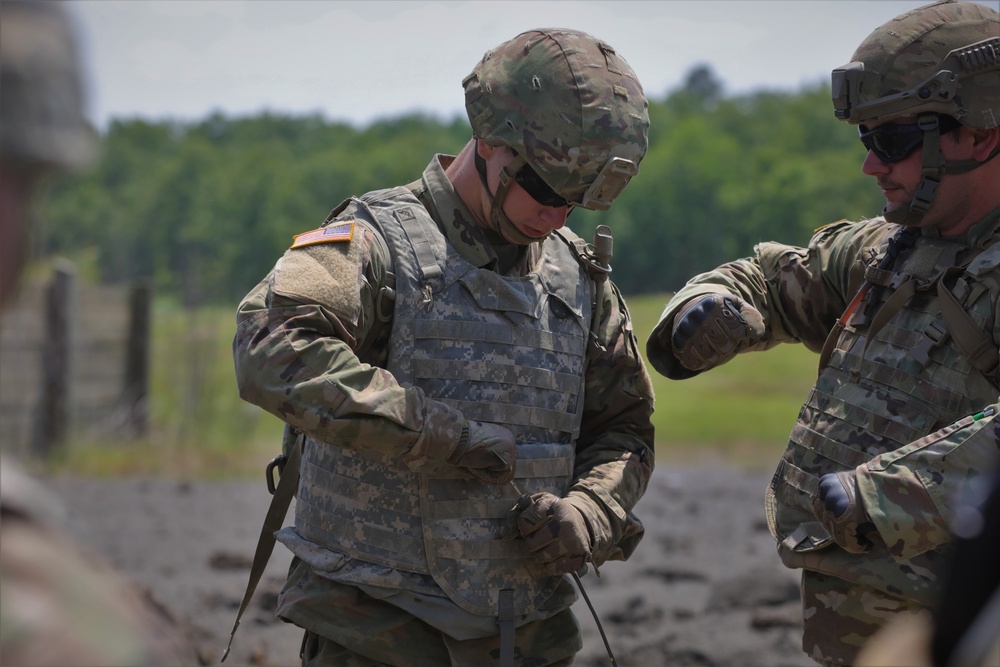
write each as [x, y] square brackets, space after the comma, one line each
[447, 346]
[839, 507]
[485, 451]
[903, 311]
[713, 329]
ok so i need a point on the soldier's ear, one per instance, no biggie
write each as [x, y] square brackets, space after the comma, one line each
[984, 142]
[484, 149]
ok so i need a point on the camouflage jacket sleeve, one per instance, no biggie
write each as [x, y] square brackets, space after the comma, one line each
[295, 349]
[911, 493]
[614, 455]
[800, 292]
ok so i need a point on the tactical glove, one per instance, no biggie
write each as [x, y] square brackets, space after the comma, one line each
[712, 329]
[487, 452]
[554, 530]
[839, 508]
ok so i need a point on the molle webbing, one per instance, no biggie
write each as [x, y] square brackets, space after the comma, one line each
[923, 361]
[507, 350]
[869, 291]
[847, 457]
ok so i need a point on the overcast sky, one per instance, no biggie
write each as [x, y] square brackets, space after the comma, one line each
[358, 61]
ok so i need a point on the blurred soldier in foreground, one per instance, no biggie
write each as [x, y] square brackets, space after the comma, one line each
[963, 628]
[58, 604]
[475, 412]
[902, 308]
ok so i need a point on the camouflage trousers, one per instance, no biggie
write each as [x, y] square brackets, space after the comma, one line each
[370, 632]
[839, 617]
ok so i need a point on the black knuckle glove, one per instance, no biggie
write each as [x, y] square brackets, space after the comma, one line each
[711, 330]
[487, 452]
[839, 508]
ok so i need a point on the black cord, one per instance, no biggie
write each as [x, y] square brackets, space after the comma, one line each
[607, 646]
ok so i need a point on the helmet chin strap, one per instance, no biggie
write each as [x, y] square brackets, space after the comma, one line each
[932, 169]
[499, 221]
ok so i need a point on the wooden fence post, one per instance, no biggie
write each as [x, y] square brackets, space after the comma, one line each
[55, 402]
[136, 386]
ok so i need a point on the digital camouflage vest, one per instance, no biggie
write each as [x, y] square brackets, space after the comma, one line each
[898, 370]
[510, 351]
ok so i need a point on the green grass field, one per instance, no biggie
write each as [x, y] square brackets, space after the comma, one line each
[740, 413]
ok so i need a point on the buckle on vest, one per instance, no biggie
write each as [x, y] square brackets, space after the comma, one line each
[933, 336]
[278, 462]
[810, 536]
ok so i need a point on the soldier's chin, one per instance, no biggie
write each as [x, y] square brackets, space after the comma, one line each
[894, 206]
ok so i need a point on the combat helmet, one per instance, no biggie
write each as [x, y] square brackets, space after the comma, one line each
[941, 59]
[41, 107]
[571, 109]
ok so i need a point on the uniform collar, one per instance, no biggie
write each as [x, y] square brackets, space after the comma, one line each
[453, 217]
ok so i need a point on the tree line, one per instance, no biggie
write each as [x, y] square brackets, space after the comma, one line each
[204, 209]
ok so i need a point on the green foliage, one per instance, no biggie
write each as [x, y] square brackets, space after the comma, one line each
[206, 208]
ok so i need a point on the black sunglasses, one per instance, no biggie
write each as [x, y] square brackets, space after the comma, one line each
[892, 143]
[539, 190]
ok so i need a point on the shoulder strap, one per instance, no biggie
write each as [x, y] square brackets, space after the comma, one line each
[901, 240]
[979, 349]
[280, 501]
[596, 259]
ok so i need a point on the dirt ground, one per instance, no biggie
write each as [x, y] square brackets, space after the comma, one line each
[705, 587]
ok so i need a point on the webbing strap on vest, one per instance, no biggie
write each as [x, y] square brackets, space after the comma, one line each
[422, 238]
[901, 240]
[889, 309]
[505, 621]
[282, 498]
[979, 348]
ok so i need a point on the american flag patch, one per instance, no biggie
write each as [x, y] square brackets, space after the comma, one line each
[332, 234]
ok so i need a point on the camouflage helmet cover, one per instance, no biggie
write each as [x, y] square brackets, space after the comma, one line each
[569, 104]
[41, 105]
[938, 58]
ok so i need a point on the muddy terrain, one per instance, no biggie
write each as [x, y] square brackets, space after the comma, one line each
[705, 587]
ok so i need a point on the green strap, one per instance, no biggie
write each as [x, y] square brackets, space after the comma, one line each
[280, 501]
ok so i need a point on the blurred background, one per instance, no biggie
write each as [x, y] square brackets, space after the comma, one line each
[227, 127]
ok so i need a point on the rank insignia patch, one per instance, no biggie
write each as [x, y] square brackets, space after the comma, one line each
[333, 234]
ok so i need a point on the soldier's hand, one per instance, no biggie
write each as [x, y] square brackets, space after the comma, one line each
[839, 508]
[712, 329]
[555, 531]
[487, 452]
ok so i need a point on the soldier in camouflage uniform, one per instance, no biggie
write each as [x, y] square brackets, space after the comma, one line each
[59, 604]
[475, 412]
[902, 308]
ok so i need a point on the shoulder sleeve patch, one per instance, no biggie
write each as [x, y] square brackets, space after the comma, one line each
[830, 224]
[327, 274]
[336, 233]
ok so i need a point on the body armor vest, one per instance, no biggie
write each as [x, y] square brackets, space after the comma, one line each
[895, 374]
[510, 351]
